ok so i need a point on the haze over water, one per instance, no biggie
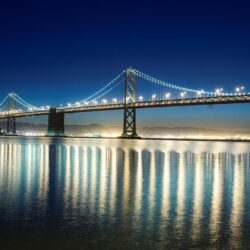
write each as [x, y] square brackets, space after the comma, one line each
[123, 194]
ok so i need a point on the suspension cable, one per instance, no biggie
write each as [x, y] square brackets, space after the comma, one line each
[166, 84]
[108, 91]
[4, 100]
[103, 88]
[28, 104]
[23, 103]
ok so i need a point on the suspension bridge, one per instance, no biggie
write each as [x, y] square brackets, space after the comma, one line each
[126, 84]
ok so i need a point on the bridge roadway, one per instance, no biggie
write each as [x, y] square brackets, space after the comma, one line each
[226, 99]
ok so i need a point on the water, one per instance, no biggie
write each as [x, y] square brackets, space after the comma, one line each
[115, 194]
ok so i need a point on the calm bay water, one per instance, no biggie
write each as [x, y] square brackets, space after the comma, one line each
[122, 194]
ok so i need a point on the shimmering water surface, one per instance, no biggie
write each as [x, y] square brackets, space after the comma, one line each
[115, 194]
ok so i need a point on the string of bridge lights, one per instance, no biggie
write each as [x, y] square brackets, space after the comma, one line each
[22, 102]
[19, 100]
[5, 99]
[94, 99]
[166, 84]
[96, 95]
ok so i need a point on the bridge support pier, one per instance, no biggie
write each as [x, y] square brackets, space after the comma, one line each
[55, 123]
[11, 121]
[11, 126]
[129, 120]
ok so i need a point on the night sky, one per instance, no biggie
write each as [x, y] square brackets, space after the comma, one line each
[54, 52]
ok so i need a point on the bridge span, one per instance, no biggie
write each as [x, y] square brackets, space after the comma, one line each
[130, 104]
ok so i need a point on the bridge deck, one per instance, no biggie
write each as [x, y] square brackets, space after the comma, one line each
[229, 99]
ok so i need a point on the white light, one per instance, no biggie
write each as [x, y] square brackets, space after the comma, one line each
[153, 96]
[140, 98]
[167, 95]
[104, 101]
[238, 89]
[183, 94]
[218, 91]
[114, 100]
[69, 104]
[77, 103]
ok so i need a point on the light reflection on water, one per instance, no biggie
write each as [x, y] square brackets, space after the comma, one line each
[120, 194]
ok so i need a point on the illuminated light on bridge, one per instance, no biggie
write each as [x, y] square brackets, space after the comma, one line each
[167, 95]
[218, 91]
[239, 89]
[203, 93]
[183, 94]
[199, 94]
[104, 99]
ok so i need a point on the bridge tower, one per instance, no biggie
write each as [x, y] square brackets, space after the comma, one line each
[11, 121]
[55, 123]
[129, 120]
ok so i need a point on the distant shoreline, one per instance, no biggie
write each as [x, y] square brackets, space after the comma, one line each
[140, 138]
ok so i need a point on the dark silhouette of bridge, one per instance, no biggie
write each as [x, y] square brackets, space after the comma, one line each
[130, 103]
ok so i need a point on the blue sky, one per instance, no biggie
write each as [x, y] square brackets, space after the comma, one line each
[54, 52]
